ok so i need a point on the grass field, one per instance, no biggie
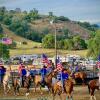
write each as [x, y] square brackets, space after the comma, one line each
[49, 52]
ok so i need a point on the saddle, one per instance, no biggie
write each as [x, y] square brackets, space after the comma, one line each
[59, 83]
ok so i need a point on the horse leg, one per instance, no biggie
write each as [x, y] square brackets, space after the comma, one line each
[18, 89]
[83, 81]
[66, 97]
[94, 97]
[54, 96]
[27, 92]
[60, 97]
[91, 97]
[41, 89]
[8, 85]
[4, 85]
[71, 97]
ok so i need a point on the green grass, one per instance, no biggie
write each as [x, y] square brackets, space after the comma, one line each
[49, 52]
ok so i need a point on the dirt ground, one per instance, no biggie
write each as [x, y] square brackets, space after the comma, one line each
[80, 93]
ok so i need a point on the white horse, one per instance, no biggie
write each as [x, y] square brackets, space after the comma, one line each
[6, 81]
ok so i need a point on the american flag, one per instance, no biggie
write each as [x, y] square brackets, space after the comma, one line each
[6, 40]
[45, 59]
[59, 64]
[98, 63]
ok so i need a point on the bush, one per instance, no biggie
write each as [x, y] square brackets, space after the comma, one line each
[24, 42]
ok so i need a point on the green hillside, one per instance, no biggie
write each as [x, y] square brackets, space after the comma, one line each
[19, 39]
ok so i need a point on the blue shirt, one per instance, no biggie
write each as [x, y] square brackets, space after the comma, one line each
[2, 71]
[43, 71]
[65, 76]
[33, 72]
[23, 72]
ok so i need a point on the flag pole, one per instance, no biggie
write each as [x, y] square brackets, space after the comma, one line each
[52, 22]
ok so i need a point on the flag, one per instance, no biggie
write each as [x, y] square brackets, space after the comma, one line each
[45, 60]
[6, 40]
[59, 64]
[98, 63]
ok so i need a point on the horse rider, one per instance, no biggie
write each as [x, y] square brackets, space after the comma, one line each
[28, 72]
[2, 72]
[49, 68]
[43, 72]
[65, 76]
[22, 73]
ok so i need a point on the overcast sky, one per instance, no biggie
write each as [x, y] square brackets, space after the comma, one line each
[83, 10]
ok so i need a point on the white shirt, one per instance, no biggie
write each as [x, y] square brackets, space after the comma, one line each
[28, 73]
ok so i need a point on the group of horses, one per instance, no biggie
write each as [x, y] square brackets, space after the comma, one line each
[53, 87]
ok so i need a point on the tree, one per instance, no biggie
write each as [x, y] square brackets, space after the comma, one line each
[4, 51]
[34, 14]
[79, 43]
[94, 45]
[1, 29]
[68, 44]
[7, 20]
[48, 41]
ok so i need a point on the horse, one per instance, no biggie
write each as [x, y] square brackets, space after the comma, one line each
[57, 89]
[68, 86]
[81, 75]
[26, 83]
[47, 80]
[92, 86]
[6, 81]
[16, 85]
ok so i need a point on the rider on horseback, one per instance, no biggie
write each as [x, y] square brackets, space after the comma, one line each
[2, 72]
[43, 72]
[22, 73]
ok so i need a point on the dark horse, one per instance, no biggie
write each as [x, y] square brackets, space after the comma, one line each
[81, 75]
[92, 86]
[47, 80]
[27, 83]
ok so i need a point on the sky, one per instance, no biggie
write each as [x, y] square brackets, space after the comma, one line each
[78, 10]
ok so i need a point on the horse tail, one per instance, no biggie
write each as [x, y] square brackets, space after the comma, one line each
[89, 88]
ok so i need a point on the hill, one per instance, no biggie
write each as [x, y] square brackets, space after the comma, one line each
[73, 27]
[19, 39]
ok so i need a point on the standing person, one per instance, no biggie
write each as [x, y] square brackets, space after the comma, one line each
[43, 72]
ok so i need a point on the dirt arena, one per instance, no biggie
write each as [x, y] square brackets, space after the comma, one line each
[80, 93]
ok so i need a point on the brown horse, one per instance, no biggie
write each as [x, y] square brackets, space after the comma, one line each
[68, 85]
[6, 79]
[57, 89]
[92, 86]
[47, 79]
[68, 88]
[16, 85]
[81, 75]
